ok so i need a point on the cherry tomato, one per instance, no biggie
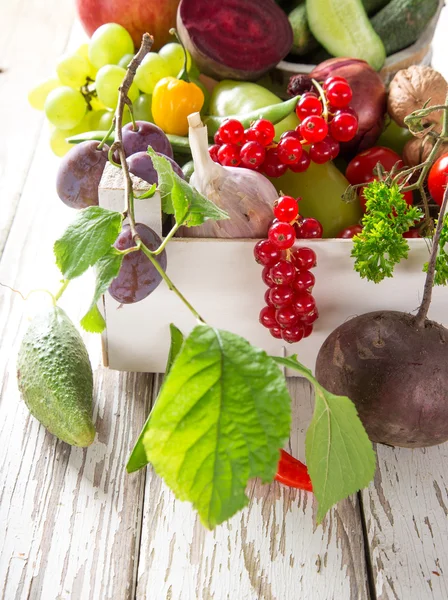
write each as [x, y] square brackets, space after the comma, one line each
[350, 232]
[438, 179]
[360, 169]
[408, 196]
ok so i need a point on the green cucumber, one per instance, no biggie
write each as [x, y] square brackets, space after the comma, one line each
[343, 28]
[401, 22]
[373, 6]
[55, 377]
[303, 41]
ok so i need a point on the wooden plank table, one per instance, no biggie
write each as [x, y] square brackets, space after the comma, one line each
[74, 525]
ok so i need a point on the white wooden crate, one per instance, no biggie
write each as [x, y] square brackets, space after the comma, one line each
[223, 282]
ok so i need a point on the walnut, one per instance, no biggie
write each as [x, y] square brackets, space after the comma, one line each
[417, 150]
[411, 88]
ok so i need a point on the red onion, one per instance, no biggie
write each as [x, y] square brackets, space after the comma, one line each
[369, 99]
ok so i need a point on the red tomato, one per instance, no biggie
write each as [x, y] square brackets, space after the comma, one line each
[408, 196]
[438, 178]
[350, 232]
[360, 168]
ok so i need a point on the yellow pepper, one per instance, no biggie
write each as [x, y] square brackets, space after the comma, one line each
[172, 101]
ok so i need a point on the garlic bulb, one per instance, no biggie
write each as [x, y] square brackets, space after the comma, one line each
[247, 196]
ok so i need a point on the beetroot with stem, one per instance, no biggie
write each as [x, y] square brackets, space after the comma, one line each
[394, 367]
[231, 39]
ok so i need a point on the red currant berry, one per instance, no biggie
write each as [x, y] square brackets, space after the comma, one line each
[252, 155]
[330, 80]
[282, 235]
[334, 146]
[303, 258]
[283, 272]
[213, 151]
[307, 330]
[217, 139]
[281, 295]
[291, 133]
[303, 303]
[286, 209]
[231, 131]
[267, 317]
[267, 297]
[289, 150]
[309, 104]
[302, 164]
[310, 229]
[292, 334]
[310, 318]
[304, 281]
[350, 232]
[266, 253]
[265, 131]
[339, 94]
[272, 166]
[344, 127]
[322, 152]
[314, 129]
[229, 155]
[276, 332]
[266, 277]
[286, 316]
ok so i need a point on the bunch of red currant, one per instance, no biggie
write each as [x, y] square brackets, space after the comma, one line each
[324, 124]
[290, 309]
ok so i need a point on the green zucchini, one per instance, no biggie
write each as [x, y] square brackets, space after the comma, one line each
[343, 28]
[401, 22]
[304, 41]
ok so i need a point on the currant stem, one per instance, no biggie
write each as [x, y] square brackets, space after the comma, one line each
[323, 99]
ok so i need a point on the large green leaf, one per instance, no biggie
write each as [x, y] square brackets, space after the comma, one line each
[339, 454]
[138, 458]
[222, 416]
[86, 240]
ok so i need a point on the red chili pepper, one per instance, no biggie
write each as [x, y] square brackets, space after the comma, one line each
[293, 473]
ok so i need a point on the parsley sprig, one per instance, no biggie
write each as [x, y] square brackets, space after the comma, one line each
[380, 245]
[441, 266]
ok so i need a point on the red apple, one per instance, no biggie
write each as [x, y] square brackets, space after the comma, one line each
[137, 16]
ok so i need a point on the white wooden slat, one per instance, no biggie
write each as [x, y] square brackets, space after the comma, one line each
[69, 518]
[406, 512]
[272, 550]
[33, 34]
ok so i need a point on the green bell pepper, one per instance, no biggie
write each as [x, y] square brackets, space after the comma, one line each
[240, 97]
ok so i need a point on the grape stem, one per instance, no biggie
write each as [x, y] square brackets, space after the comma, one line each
[117, 146]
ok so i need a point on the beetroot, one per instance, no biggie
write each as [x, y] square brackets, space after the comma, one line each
[369, 99]
[231, 39]
[393, 366]
[396, 374]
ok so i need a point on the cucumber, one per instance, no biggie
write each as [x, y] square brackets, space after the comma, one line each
[401, 22]
[304, 41]
[343, 28]
[373, 6]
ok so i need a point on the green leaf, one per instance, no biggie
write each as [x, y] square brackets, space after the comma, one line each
[107, 269]
[148, 194]
[86, 240]
[138, 458]
[179, 198]
[339, 454]
[222, 416]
